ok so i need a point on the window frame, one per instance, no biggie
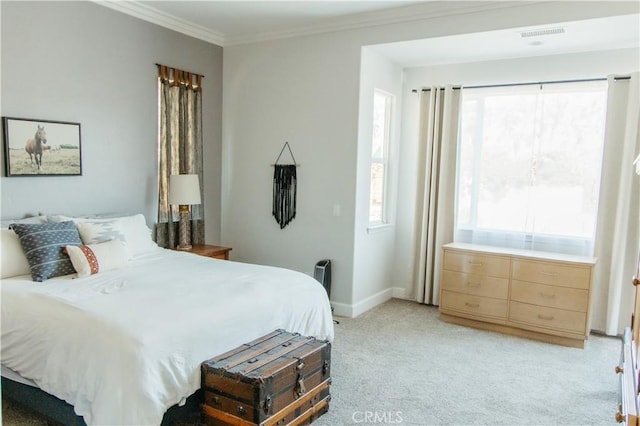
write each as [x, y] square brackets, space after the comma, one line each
[384, 161]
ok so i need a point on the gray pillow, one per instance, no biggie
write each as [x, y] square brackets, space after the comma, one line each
[43, 246]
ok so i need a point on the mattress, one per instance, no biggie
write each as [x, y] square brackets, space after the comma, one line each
[123, 346]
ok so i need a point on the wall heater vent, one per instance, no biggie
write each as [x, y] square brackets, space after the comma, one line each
[542, 32]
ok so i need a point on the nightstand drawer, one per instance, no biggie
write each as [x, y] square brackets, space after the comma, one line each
[473, 263]
[542, 316]
[486, 306]
[572, 299]
[207, 250]
[551, 273]
[474, 284]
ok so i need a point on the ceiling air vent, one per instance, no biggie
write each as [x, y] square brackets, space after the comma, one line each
[542, 32]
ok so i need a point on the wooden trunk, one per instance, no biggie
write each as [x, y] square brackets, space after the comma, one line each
[281, 378]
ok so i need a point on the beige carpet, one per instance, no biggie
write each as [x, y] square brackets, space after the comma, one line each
[399, 364]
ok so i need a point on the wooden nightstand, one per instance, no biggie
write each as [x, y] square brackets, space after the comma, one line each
[216, 252]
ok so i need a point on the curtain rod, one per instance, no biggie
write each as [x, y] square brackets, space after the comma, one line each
[427, 89]
[623, 77]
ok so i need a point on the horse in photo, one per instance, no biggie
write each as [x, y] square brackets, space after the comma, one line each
[34, 147]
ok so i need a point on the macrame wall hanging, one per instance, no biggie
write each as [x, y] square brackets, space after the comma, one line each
[284, 189]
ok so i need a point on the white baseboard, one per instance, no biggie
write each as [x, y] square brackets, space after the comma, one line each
[399, 293]
[351, 311]
[342, 309]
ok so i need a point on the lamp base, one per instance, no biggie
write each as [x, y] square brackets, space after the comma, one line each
[183, 229]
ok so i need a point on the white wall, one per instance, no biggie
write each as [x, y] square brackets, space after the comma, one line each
[305, 90]
[81, 62]
[373, 262]
[287, 91]
[544, 68]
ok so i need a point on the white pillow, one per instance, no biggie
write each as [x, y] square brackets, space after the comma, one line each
[94, 258]
[64, 218]
[132, 230]
[4, 223]
[14, 262]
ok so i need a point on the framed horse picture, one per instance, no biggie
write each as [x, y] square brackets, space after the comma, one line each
[41, 147]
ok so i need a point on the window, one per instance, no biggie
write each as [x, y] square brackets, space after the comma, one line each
[529, 166]
[382, 105]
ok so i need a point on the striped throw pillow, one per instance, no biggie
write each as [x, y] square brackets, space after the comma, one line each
[93, 258]
[43, 246]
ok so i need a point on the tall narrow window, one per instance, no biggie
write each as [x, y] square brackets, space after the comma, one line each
[180, 148]
[529, 166]
[382, 111]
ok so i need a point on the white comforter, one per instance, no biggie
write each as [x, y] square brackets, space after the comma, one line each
[125, 345]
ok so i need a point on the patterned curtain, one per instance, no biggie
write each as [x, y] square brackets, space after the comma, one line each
[180, 150]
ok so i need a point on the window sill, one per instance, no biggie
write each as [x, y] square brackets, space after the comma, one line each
[383, 227]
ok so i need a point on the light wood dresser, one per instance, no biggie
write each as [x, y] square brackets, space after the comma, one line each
[544, 296]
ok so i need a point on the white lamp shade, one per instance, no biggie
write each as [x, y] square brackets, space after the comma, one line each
[184, 189]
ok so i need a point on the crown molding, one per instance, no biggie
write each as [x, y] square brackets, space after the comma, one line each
[422, 11]
[405, 14]
[158, 17]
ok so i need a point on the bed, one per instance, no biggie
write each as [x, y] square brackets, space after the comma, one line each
[124, 345]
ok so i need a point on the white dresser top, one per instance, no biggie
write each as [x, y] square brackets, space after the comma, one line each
[531, 254]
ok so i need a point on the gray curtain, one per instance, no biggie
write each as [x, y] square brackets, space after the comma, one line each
[617, 230]
[438, 143]
[180, 150]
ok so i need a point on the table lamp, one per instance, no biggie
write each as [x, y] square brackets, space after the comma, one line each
[184, 190]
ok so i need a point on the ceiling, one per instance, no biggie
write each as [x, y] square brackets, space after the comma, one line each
[234, 22]
[238, 20]
[228, 22]
[616, 32]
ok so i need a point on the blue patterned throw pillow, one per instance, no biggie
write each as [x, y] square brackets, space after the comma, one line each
[43, 246]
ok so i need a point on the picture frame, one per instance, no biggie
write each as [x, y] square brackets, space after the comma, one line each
[41, 147]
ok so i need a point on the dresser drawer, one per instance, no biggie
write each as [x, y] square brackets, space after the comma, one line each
[554, 318]
[551, 273]
[474, 284]
[473, 263]
[476, 305]
[572, 299]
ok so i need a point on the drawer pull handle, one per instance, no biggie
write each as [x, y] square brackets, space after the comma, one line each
[619, 369]
[635, 281]
[472, 305]
[472, 284]
[472, 263]
[551, 274]
[547, 296]
[545, 317]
